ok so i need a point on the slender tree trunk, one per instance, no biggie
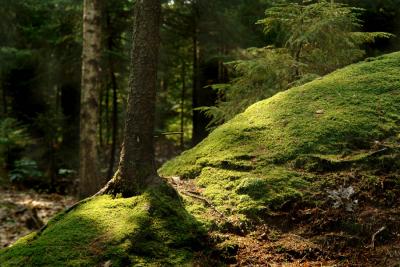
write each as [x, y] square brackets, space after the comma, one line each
[297, 61]
[70, 106]
[136, 167]
[107, 116]
[4, 100]
[114, 86]
[100, 117]
[114, 122]
[196, 88]
[203, 72]
[90, 180]
[183, 76]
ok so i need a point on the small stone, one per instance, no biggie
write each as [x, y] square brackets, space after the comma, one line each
[320, 111]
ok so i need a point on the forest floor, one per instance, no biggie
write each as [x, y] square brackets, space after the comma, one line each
[22, 212]
[309, 176]
[285, 240]
[304, 236]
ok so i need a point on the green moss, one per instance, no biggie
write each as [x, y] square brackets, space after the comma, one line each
[270, 154]
[283, 150]
[151, 229]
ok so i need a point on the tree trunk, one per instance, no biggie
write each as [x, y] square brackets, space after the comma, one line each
[183, 77]
[100, 117]
[70, 106]
[114, 117]
[197, 134]
[107, 115]
[114, 85]
[4, 101]
[114, 122]
[90, 180]
[136, 167]
[204, 74]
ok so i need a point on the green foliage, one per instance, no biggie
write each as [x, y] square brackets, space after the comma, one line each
[50, 124]
[311, 39]
[260, 73]
[12, 135]
[152, 229]
[323, 35]
[24, 170]
[219, 27]
[40, 71]
[274, 152]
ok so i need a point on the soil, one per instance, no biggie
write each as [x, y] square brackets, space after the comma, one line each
[22, 212]
[368, 236]
[303, 236]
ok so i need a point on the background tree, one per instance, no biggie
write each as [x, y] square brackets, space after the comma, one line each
[200, 35]
[306, 41]
[39, 79]
[90, 179]
[40, 73]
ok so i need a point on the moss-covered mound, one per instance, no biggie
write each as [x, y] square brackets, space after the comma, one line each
[325, 155]
[148, 230]
[285, 149]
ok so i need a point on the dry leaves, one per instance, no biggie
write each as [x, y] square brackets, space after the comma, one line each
[22, 212]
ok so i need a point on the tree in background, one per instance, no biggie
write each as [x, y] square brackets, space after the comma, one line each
[137, 165]
[40, 72]
[308, 41]
[381, 15]
[322, 36]
[89, 175]
[199, 36]
[117, 21]
[39, 79]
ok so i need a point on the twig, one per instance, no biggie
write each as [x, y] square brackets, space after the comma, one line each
[375, 234]
[206, 201]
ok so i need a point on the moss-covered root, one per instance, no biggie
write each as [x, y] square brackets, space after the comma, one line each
[119, 185]
[152, 229]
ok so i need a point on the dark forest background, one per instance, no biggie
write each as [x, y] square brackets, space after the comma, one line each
[212, 52]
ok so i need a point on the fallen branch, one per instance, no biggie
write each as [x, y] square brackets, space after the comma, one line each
[374, 236]
[206, 201]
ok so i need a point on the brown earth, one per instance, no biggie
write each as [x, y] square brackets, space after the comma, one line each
[22, 212]
[303, 236]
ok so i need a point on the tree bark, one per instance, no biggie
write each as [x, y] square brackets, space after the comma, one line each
[70, 106]
[114, 117]
[114, 85]
[4, 101]
[90, 179]
[100, 117]
[183, 77]
[204, 74]
[114, 122]
[136, 169]
[196, 135]
[107, 115]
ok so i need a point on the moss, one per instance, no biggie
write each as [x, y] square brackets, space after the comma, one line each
[270, 154]
[151, 229]
[287, 149]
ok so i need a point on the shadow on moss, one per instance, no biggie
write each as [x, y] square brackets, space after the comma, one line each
[150, 229]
